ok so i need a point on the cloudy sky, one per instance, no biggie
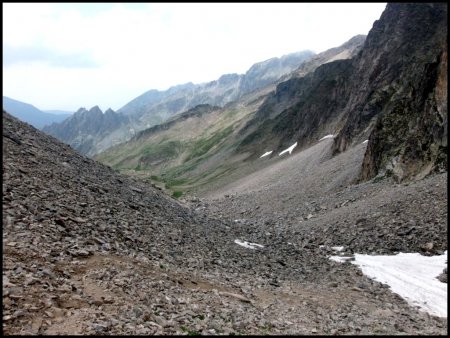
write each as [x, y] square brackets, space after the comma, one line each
[67, 56]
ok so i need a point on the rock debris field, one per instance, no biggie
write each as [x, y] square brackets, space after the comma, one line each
[87, 250]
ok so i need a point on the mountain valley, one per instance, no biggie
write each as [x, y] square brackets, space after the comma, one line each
[91, 251]
[242, 206]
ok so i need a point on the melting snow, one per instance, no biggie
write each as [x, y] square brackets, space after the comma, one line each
[339, 259]
[365, 141]
[288, 149]
[410, 275]
[265, 154]
[327, 136]
[248, 245]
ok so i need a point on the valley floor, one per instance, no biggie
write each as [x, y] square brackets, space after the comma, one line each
[89, 251]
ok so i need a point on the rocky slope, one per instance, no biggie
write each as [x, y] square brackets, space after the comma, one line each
[89, 251]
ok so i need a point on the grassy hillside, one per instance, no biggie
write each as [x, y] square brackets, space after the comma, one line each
[190, 151]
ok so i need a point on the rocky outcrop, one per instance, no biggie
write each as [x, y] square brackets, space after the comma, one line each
[400, 89]
[269, 71]
[86, 128]
[394, 89]
[301, 109]
[347, 50]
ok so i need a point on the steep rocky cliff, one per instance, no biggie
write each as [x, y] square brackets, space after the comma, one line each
[407, 90]
[394, 89]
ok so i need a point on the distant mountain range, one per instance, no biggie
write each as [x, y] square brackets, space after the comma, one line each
[203, 140]
[154, 107]
[388, 91]
[92, 129]
[58, 112]
[32, 115]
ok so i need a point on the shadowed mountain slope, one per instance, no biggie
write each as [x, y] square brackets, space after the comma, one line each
[394, 90]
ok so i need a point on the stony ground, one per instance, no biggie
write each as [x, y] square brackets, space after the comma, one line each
[89, 251]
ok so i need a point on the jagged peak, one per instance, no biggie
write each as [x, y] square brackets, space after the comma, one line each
[81, 110]
[95, 109]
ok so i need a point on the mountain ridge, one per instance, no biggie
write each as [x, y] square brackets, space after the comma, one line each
[30, 114]
[154, 107]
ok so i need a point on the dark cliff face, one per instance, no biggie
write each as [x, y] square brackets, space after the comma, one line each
[394, 89]
[301, 109]
[396, 93]
[305, 104]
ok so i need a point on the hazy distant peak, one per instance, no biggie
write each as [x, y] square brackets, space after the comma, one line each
[81, 110]
[228, 78]
[188, 85]
[95, 110]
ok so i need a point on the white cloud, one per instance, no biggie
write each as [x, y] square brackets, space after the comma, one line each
[143, 46]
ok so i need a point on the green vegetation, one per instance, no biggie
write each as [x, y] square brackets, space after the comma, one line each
[203, 145]
[175, 182]
[177, 194]
[231, 113]
[189, 332]
[165, 150]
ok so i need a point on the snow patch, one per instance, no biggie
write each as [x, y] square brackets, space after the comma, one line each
[327, 136]
[339, 259]
[410, 275]
[288, 149]
[337, 248]
[266, 154]
[363, 142]
[248, 245]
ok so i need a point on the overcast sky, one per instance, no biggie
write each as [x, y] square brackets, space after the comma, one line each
[67, 56]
